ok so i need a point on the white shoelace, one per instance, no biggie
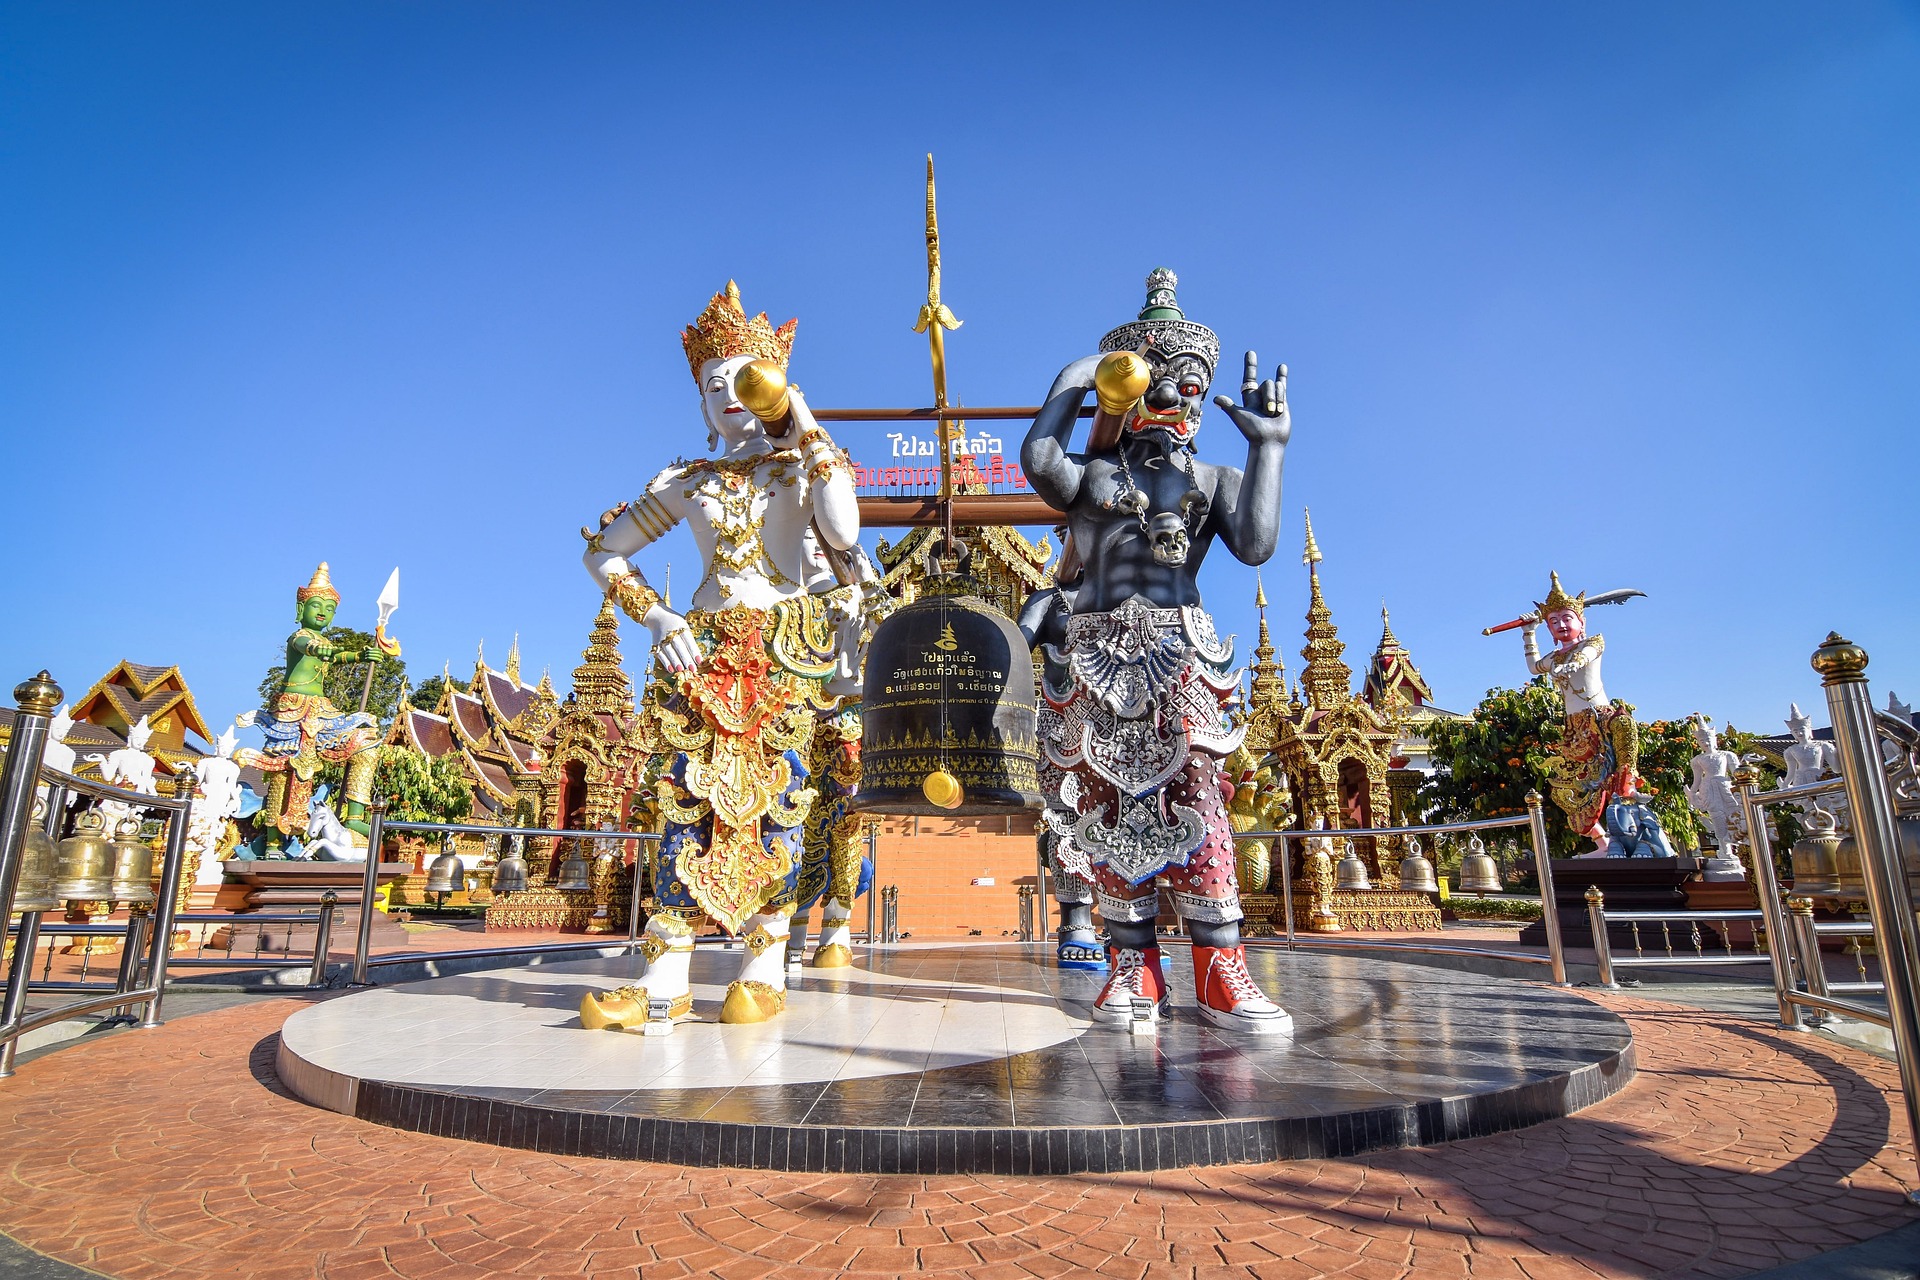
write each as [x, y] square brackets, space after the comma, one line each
[1239, 982]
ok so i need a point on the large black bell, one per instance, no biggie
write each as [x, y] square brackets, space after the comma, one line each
[948, 721]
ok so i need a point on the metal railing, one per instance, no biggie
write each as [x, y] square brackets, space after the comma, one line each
[377, 827]
[1535, 822]
[1695, 950]
[143, 954]
[315, 961]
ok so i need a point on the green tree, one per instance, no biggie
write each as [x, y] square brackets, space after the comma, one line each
[344, 679]
[1485, 765]
[419, 788]
[427, 695]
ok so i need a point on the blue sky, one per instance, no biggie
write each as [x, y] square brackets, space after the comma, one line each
[1630, 291]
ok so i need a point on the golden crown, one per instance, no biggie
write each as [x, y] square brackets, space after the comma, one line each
[320, 585]
[723, 331]
[1558, 599]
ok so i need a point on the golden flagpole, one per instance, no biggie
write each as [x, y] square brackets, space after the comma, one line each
[934, 320]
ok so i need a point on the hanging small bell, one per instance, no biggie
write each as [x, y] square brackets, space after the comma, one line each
[1816, 860]
[85, 862]
[948, 723]
[510, 873]
[1416, 873]
[447, 874]
[132, 866]
[1351, 873]
[1478, 871]
[573, 874]
[34, 889]
[1850, 882]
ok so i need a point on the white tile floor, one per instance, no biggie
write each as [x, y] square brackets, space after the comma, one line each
[519, 1028]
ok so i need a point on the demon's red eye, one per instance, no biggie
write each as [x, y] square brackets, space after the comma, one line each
[1189, 388]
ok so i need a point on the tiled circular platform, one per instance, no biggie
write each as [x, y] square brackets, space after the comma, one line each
[961, 1059]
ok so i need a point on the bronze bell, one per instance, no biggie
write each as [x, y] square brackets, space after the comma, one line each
[84, 862]
[447, 874]
[573, 873]
[1351, 873]
[948, 718]
[33, 891]
[1416, 873]
[1816, 862]
[510, 873]
[132, 866]
[1478, 871]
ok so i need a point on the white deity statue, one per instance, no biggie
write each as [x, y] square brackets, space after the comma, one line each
[58, 754]
[129, 767]
[1711, 791]
[1810, 760]
[216, 800]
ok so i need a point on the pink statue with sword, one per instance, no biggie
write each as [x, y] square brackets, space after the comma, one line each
[1594, 774]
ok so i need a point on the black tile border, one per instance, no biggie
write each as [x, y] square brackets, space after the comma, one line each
[1036, 1151]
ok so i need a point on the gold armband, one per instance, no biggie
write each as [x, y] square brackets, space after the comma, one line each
[815, 435]
[824, 468]
[633, 595]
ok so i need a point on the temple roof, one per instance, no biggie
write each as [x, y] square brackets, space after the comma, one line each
[117, 701]
[1391, 675]
[1327, 680]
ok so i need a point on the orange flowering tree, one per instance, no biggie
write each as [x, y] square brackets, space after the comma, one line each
[1485, 765]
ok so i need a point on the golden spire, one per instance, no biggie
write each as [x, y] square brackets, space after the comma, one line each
[1260, 596]
[1328, 680]
[600, 683]
[1391, 676]
[1269, 677]
[666, 588]
[513, 660]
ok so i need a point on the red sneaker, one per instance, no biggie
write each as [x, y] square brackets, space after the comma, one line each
[1136, 976]
[1229, 997]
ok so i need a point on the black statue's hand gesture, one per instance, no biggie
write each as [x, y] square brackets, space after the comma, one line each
[1262, 413]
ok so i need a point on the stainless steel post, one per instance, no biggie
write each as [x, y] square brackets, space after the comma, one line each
[1766, 887]
[1549, 909]
[1842, 666]
[1806, 942]
[873, 882]
[363, 939]
[1286, 884]
[173, 862]
[18, 976]
[34, 703]
[1602, 949]
[633, 895]
[322, 940]
[128, 976]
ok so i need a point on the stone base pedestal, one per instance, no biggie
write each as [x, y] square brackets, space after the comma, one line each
[289, 886]
[1627, 884]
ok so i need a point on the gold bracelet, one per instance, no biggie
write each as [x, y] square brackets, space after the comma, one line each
[633, 595]
[824, 468]
[814, 435]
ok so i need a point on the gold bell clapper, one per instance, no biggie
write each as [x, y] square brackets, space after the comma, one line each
[1478, 871]
[1119, 381]
[510, 873]
[761, 385]
[84, 862]
[948, 723]
[573, 874]
[1416, 872]
[132, 884]
[1351, 873]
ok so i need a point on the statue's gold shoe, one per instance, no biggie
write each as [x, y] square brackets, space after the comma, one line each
[619, 1009]
[833, 956]
[750, 1001]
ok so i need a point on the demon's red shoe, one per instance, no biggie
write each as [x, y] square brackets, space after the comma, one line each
[1136, 976]
[1229, 997]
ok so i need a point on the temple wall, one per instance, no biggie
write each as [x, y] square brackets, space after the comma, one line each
[935, 861]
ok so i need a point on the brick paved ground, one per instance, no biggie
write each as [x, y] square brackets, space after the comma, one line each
[174, 1153]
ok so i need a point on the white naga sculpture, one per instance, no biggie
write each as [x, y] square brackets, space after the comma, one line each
[1711, 791]
[130, 767]
[216, 799]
